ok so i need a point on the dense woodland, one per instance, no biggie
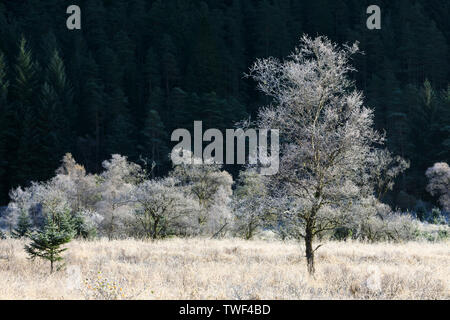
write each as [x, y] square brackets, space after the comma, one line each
[139, 69]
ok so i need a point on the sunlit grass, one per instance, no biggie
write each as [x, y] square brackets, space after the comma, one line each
[228, 269]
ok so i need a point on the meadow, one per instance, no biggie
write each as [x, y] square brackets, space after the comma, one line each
[201, 268]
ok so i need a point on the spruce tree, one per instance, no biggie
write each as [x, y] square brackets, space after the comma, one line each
[4, 83]
[151, 70]
[91, 115]
[4, 128]
[56, 77]
[47, 242]
[444, 149]
[154, 140]
[169, 64]
[26, 76]
[22, 145]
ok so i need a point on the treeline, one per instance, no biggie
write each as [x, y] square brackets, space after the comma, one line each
[139, 69]
[123, 201]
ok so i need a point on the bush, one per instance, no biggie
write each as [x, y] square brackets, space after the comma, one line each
[432, 232]
[83, 229]
[374, 221]
[342, 233]
[437, 217]
[420, 210]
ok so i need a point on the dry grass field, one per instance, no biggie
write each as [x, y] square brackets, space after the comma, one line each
[228, 269]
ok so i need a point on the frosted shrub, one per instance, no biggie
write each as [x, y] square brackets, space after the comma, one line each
[220, 217]
[439, 183]
[161, 208]
[375, 221]
[327, 137]
[80, 187]
[250, 203]
[115, 187]
[70, 190]
[210, 187]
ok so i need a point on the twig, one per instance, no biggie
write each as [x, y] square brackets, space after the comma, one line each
[217, 233]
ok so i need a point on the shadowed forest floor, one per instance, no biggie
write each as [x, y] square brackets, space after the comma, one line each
[228, 269]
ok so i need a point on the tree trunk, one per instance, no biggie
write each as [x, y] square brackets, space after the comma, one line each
[309, 250]
[51, 264]
[155, 228]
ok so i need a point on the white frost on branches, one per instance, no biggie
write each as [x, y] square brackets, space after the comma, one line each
[439, 183]
[327, 137]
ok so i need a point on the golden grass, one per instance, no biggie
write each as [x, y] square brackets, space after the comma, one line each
[228, 269]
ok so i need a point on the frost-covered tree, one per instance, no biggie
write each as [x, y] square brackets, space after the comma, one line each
[210, 186]
[375, 221]
[25, 200]
[23, 226]
[439, 183]
[80, 187]
[161, 208]
[115, 188]
[327, 136]
[20, 202]
[383, 169]
[71, 192]
[250, 203]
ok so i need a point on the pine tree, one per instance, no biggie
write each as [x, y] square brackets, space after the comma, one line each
[4, 128]
[151, 70]
[26, 76]
[204, 65]
[23, 138]
[56, 77]
[444, 148]
[178, 114]
[423, 119]
[81, 228]
[154, 140]
[47, 242]
[94, 24]
[119, 137]
[4, 83]
[52, 132]
[28, 148]
[213, 111]
[169, 64]
[91, 114]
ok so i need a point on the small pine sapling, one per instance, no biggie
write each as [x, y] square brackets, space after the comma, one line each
[47, 242]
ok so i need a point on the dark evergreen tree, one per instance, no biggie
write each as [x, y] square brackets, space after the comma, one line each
[47, 242]
[169, 63]
[154, 147]
[26, 78]
[5, 128]
[25, 94]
